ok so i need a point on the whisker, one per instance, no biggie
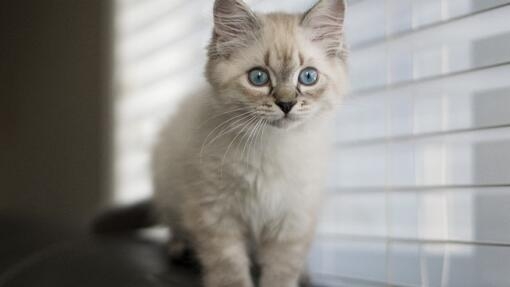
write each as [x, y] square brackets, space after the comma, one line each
[232, 142]
[261, 137]
[223, 113]
[226, 122]
[225, 129]
[250, 139]
[257, 133]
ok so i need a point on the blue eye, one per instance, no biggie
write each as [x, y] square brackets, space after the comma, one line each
[258, 77]
[308, 76]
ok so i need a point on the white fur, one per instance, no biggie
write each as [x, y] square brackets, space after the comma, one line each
[283, 171]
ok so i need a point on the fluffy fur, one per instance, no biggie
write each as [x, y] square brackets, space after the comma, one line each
[237, 179]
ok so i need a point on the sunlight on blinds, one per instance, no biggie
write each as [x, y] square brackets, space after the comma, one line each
[159, 58]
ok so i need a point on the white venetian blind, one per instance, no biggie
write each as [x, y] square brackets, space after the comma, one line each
[421, 195]
[160, 53]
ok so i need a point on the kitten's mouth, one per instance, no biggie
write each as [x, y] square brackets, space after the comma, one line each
[283, 122]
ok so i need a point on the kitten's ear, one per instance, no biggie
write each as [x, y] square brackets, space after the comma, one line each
[325, 21]
[234, 25]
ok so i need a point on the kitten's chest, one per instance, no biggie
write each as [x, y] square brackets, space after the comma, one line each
[278, 191]
[279, 176]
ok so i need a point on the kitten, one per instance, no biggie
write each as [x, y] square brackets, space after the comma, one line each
[238, 171]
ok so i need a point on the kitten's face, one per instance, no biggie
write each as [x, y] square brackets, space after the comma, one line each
[276, 67]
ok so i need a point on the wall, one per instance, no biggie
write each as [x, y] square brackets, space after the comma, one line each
[54, 109]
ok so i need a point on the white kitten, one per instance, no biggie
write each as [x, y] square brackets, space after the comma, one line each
[239, 170]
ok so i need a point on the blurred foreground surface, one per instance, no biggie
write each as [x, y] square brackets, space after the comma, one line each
[35, 256]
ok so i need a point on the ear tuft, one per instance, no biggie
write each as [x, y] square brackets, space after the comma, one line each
[325, 20]
[234, 26]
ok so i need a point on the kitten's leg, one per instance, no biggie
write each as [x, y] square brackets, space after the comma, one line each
[282, 262]
[224, 259]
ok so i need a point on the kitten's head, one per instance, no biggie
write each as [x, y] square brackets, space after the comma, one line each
[282, 68]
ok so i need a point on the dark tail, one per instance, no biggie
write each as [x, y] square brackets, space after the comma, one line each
[125, 219]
